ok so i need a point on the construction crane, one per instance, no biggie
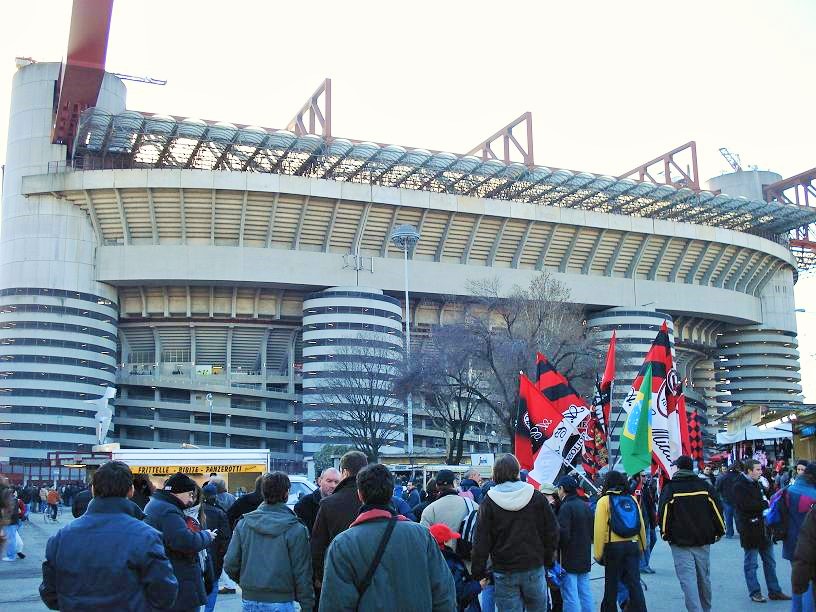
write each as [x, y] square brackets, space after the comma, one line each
[732, 159]
[140, 79]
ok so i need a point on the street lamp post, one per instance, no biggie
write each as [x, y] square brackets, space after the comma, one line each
[405, 237]
[209, 405]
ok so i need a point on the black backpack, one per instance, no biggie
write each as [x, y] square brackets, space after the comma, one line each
[467, 529]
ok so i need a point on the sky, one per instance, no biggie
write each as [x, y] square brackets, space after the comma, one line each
[610, 84]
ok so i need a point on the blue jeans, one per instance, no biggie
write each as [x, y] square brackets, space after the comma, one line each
[11, 541]
[804, 602]
[518, 591]
[211, 597]
[576, 593]
[728, 509]
[647, 554]
[267, 606]
[486, 599]
[768, 568]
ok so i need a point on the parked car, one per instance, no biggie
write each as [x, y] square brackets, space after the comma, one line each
[301, 486]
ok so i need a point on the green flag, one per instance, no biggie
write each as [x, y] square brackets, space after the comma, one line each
[636, 439]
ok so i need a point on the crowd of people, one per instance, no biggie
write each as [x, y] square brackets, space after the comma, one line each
[465, 544]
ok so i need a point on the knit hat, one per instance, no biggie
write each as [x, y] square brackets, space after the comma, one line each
[683, 462]
[442, 533]
[569, 484]
[210, 490]
[180, 483]
[445, 477]
[547, 488]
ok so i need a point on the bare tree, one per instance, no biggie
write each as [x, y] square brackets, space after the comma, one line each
[506, 328]
[443, 376]
[357, 395]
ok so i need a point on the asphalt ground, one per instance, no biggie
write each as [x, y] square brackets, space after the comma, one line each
[19, 581]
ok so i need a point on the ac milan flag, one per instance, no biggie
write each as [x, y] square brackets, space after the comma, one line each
[536, 421]
[576, 414]
[666, 435]
[601, 403]
[695, 439]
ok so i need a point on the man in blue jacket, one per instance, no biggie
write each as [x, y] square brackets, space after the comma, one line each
[165, 512]
[107, 559]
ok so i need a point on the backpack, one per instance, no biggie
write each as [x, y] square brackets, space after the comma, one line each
[777, 517]
[624, 516]
[467, 529]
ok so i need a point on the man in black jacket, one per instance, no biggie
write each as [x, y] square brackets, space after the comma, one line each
[576, 525]
[245, 504]
[308, 505]
[165, 513]
[517, 529]
[725, 487]
[217, 521]
[691, 521]
[750, 503]
[337, 511]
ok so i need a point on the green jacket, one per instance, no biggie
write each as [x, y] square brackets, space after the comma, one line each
[269, 557]
[412, 576]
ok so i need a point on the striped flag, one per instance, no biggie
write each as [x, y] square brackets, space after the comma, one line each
[695, 439]
[665, 420]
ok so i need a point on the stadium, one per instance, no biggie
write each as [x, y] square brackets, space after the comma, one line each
[181, 259]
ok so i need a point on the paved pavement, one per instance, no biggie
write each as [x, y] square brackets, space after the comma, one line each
[19, 580]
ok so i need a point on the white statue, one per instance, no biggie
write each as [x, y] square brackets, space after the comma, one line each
[104, 414]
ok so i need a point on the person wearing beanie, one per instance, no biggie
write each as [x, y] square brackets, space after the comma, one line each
[467, 589]
[576, 525]
[691, 520]
[449, 508]
[165, 513]
[796, 500]
[216, 519]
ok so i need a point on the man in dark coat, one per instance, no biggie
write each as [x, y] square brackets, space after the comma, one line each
[245, 504]
[576, 525]
[308, 505]
[691, 521]
[750, 503]
[725, 489]
[165, 512]
[216, 520]
[337, 511]
[415, 582]
[107, 559]
[803, 565]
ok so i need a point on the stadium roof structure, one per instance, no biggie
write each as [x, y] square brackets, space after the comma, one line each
[141, 140]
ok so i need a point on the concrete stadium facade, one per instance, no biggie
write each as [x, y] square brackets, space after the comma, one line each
[175, 282]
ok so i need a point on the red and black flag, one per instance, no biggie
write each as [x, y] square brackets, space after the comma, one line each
[578, 423]
[696, 439]
[537, 422]
[601, 403]
[666, 434]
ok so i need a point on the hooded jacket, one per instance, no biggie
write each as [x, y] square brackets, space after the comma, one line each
[798, 498]
[416, 582]
[165, 513]
[689, 512]
[269, 557]
[516, 527]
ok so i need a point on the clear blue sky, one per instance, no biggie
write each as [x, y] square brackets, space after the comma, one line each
[610, 84]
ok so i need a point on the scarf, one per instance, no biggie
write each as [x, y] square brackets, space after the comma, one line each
[191, 518]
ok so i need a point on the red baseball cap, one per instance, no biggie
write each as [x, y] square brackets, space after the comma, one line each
[442, 533]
